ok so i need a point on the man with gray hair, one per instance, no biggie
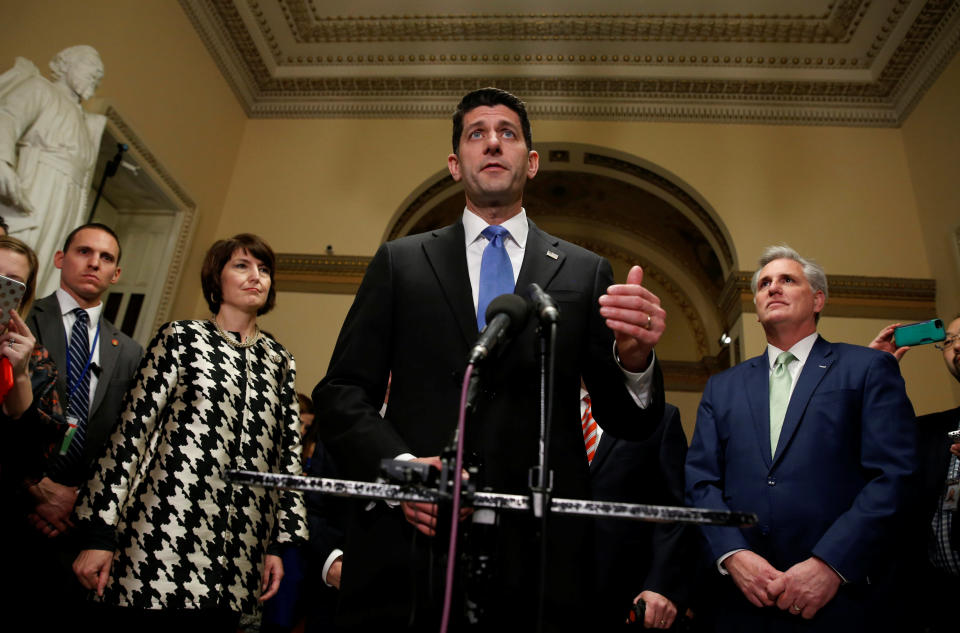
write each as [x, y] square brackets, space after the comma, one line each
[48, 150]
[817, 439]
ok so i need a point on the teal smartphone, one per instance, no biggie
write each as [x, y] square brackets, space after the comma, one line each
[919, 333]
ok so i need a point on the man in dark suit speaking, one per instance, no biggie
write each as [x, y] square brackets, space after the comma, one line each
[817, 439]
[415, 317]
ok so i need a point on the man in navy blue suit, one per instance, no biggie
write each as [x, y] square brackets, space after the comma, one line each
[815, 437]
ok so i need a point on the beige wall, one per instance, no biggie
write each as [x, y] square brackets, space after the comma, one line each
[162, 81]
[931, 137]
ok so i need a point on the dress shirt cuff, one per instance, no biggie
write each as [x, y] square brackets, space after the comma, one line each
[639, 385]
[723, 570]
[331, 559]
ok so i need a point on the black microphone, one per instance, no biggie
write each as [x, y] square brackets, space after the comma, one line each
[506, 315]
[543, 304]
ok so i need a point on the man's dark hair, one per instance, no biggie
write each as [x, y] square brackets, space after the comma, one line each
[490, 97]
[218, 256]
[99, 227]
[3, 225]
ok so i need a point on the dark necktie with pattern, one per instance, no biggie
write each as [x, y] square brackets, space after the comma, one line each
[78, 390]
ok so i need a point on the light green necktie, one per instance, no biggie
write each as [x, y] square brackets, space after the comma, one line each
[780, 382]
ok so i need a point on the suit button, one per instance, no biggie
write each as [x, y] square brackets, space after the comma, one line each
[771, 481]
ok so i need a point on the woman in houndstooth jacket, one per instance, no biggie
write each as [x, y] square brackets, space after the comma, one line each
[187, 548]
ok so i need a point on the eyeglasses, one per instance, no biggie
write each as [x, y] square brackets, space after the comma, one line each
[947, 342]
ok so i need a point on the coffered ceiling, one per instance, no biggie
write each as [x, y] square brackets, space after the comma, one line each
[818, 62]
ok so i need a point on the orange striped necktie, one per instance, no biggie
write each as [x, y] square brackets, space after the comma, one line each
[589, 426]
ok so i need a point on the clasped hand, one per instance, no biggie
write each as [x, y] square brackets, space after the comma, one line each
[801, 590]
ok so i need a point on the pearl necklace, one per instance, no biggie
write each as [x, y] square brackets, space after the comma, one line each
[232, 342]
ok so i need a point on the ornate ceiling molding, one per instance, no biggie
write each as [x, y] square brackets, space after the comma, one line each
[308, 25]
[818, 62]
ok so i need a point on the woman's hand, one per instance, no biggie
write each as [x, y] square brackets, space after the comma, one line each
[17, 344]
[92, 568]
[272, 574]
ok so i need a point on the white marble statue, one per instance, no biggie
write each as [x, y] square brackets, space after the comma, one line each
[48, 151]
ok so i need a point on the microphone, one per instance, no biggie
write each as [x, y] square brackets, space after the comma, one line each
[543, 304]
[506, 315]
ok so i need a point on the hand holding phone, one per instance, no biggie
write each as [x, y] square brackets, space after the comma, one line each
[919, 333]
[11, 291]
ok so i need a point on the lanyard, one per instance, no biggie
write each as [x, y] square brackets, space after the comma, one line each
[86, 367]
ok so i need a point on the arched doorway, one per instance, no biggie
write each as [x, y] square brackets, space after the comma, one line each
[631, 212]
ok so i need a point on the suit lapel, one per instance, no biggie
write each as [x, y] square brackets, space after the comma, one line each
[109, 354]
[51, 334]
[542, 259]
[756, 386]
[816, 367]
[447, 257]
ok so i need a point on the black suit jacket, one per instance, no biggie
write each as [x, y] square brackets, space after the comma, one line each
[633, 556]
[119, 357]
[413, 318]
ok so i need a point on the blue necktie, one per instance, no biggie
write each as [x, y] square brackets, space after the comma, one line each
[496, 272]
[78, 388]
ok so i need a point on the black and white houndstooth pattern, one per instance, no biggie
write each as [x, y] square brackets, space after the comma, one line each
[186, 538]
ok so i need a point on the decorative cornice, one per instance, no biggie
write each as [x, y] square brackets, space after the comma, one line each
[334, 274]
[898, 298]
[307, 22]
[836, 65]
[850, 296]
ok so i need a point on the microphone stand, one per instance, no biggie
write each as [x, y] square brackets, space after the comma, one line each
[541, 474]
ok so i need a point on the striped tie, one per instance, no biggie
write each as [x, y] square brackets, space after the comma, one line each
[589, 426]
[78, 389]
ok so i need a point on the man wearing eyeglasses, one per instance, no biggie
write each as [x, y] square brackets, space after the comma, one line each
[934, 533]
